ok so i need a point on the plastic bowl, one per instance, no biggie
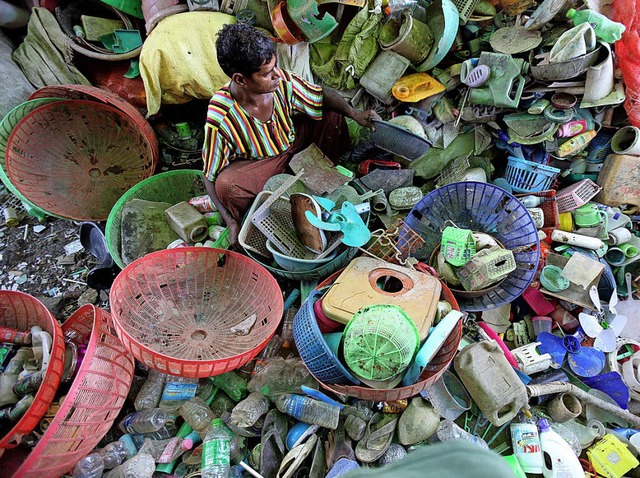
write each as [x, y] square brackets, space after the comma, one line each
[294, 264]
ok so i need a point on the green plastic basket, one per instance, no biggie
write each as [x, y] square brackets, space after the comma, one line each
[171, 187]
[7, 124]
[552, 280]
[379, 342]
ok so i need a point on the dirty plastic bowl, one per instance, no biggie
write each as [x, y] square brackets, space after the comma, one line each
[293, 263]
[442, 19]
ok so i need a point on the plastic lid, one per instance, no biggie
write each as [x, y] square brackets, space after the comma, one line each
[571, 13]
[187, 443]
[216, 422]
[544, 425]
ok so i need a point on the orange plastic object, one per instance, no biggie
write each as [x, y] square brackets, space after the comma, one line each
[74, 158]
[195, 311]
[22, 311]
[437, 366]
[284, 27]
[91, 93]
[92, 403]
[371, 281]
[416, 87]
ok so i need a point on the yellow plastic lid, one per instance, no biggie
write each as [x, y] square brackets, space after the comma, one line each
[416, 87]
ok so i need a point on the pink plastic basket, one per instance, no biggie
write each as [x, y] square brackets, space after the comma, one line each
[22, 311]
[93, 401]
[179, 310]
[576, 195]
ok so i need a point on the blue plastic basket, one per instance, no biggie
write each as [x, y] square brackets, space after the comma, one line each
[486, 208]
[529, 177]
[313, 349]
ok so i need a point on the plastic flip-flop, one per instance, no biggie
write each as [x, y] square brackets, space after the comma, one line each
[295, 457]
[377, 437]
[310, 236]
[274, 433]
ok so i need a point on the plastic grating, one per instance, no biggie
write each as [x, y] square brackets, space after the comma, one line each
[465, 8]
[576, 195]
[93, 401]
[176, 310]
[313, 349]
[481, 207]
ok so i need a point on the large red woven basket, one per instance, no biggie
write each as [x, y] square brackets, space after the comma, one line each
[22, 311]
[75, 158]
[91, 93]
[93, 401]
[431, 373]
[175, 310]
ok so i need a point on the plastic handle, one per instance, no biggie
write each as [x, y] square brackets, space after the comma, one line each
[493, 336]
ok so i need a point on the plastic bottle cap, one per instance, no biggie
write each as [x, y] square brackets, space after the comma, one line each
[187, 444]
[571, 13]
[543, 424]
[216, 422]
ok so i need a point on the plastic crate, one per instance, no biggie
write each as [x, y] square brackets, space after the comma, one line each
[22, 311]
[176, 310]
[313, 349]
[93, 401]
[526, 176]
[576, 195]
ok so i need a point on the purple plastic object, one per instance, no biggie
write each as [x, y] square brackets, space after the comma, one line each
[478, 76]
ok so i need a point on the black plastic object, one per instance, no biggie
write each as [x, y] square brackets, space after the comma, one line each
[398, 140]
[92, 239]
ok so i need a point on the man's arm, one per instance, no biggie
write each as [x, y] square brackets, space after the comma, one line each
[334, 102]
[232, 224]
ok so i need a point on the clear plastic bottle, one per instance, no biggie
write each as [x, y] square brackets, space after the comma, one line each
[164, 433]
[531, 201]
[151, 391]
[287, 327]
[91, 466]
[197, 414]
[248, 411]
[448, 430]
[113, 454]
[273, 347]
[145, 421]
[165, 451]
[309, 410]
[176, 392]
[140, 466]
[231, 384]
[216, 452]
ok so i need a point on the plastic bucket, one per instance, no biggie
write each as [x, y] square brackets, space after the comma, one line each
[414, 39]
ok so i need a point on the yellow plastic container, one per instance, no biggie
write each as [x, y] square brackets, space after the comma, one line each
[565, 220]
[370, 281]
[611, 458]
[416, 87]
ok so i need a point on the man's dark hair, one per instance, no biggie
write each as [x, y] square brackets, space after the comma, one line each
[243, 49]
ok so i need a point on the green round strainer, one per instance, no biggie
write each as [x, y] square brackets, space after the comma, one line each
[552, 280]
[380, 342]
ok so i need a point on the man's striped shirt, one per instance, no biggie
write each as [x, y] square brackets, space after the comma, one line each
[231, 133]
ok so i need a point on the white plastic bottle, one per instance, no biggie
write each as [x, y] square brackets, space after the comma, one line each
[559, 461]
[526, 446]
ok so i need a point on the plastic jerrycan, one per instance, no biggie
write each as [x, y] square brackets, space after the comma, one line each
[620, 180]
[491, 381]
[505, 84]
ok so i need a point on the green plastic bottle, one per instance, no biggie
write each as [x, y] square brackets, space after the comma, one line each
[606, 30]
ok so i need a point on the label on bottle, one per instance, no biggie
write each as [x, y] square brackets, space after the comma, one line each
[127, 422]
[525, 439]
[179, 391]
[169, 450]
[294, 407]
[216, 452]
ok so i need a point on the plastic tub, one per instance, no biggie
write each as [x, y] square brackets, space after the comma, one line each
[542, 324]
[93, 401]
[293, 263]
[22, 311]
[183, 311]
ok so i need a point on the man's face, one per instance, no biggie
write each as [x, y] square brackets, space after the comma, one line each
[266, 80]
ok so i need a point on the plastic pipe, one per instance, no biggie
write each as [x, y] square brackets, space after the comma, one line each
[561, 387]
[579, 240]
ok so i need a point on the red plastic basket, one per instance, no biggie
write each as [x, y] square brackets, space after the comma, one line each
[22, 311]
[549, 208]
[91, 93]
[93, 401]
[75, 158]
[431, 373]
[175, 310]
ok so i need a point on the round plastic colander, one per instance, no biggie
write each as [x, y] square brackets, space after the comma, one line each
[380, 341]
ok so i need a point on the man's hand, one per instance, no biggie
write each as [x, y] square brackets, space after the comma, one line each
[234, 230]
[363, 118]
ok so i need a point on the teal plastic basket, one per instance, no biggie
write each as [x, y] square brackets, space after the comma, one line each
[529, 177]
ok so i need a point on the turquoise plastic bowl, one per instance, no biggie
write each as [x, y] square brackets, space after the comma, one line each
[442, 19]
[297, 265]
